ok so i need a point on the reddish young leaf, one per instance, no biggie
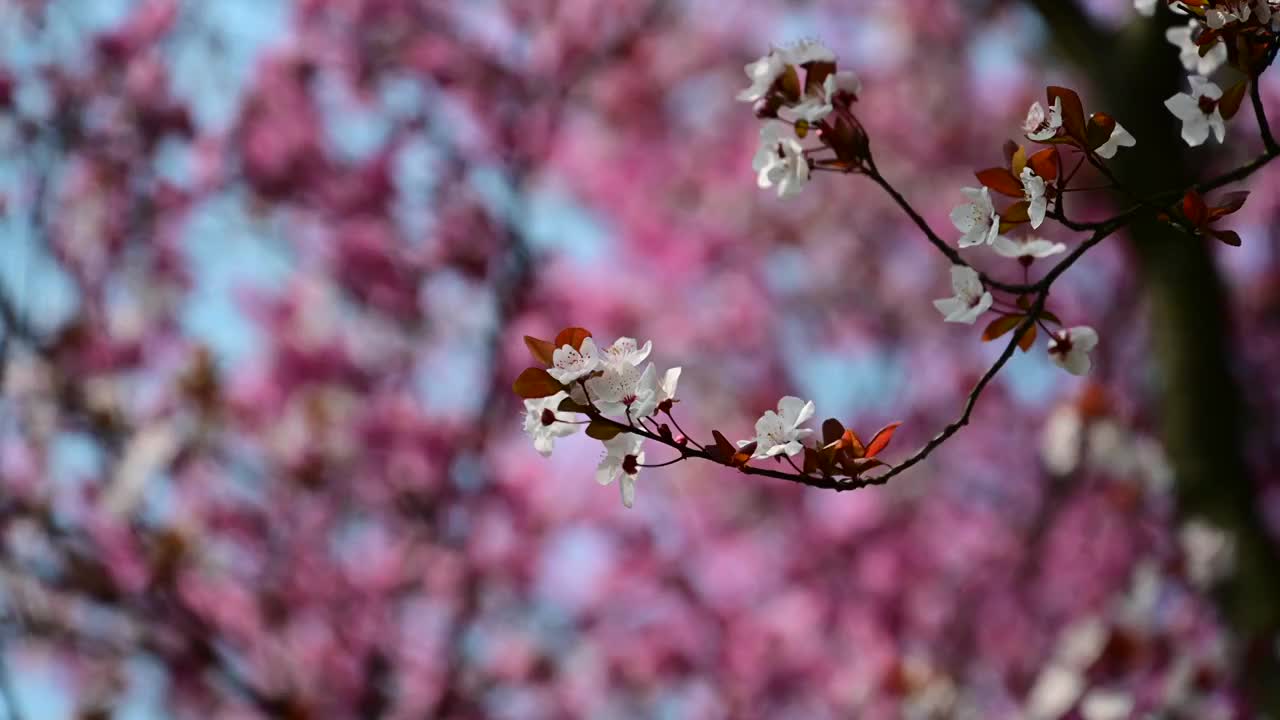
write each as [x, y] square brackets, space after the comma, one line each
[812, 461]
[1001, 180]
[1016, 213]
[1232, 202]
[743, 455]
[723, 450]
[1099, 130]
[1050, 317]
[854, 467]
[1229, 237]
[572, 336]
[852, 443]
[1044, 164]
[603, 430]
[1018, 161]
[541, 350]
[1000, 326]
[571, 405]
[881, 439]
[1072, 110]
[832, 429]
[1027, 339]
[536, 383]
[1194, 209]
[1229, 104]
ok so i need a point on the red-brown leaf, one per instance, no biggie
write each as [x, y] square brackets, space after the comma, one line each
[603, 430]
[1194, 209]
[1001, 180]
[1099, 130]
[1000, 326]
[572, 336]
[832, 429]
[536, 383]
[1072, 110]
[1229, 105]
[1231, 202]
[853, 443]
[1229, 237]
[541, 350]
[723, 450]
[1016, 213]
[1044, 164]
[1027, 338]
[881, 439]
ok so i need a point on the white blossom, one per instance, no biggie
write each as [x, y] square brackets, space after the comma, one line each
[846, 81]
[622, 459]
[1265, 13]
[1027, 248]
[1070, 348]
[568, 364]
[614, 391]
[780, 160]
[1145, 7]
[1107, 705]
[977, 219]
[806, 51]
[1041, 126]
[1119, 138]
[763, 73]
[1033, 187]
[544, 423]
[627, 350]
[971, 298]
[1231, 11]
[814, 108]
[780, 432]
[1183, 38]
[1209, 550]
[1198, 111]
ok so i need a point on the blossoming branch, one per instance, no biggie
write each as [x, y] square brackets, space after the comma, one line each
[807, 106]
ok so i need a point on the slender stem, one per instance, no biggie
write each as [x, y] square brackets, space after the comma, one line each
[1264, 127]
[673, 461]
[792, 463]
[951, 253]
[1032, 315]
[680, 430]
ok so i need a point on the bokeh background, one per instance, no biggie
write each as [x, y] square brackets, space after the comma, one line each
[265, 266]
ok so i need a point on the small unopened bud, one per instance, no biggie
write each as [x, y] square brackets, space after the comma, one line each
[681, 440]
[664, 431]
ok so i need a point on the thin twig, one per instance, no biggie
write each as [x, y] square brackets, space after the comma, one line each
[1032, 315]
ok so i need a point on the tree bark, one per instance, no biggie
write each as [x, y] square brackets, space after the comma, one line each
[1201, 408]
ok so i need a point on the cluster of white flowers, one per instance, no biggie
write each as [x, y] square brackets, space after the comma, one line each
[792, 107]
[980, 224]
[612, 381]
[1200, 109]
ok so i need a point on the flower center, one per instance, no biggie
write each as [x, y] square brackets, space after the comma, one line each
[1207, 104]
[548, 417]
